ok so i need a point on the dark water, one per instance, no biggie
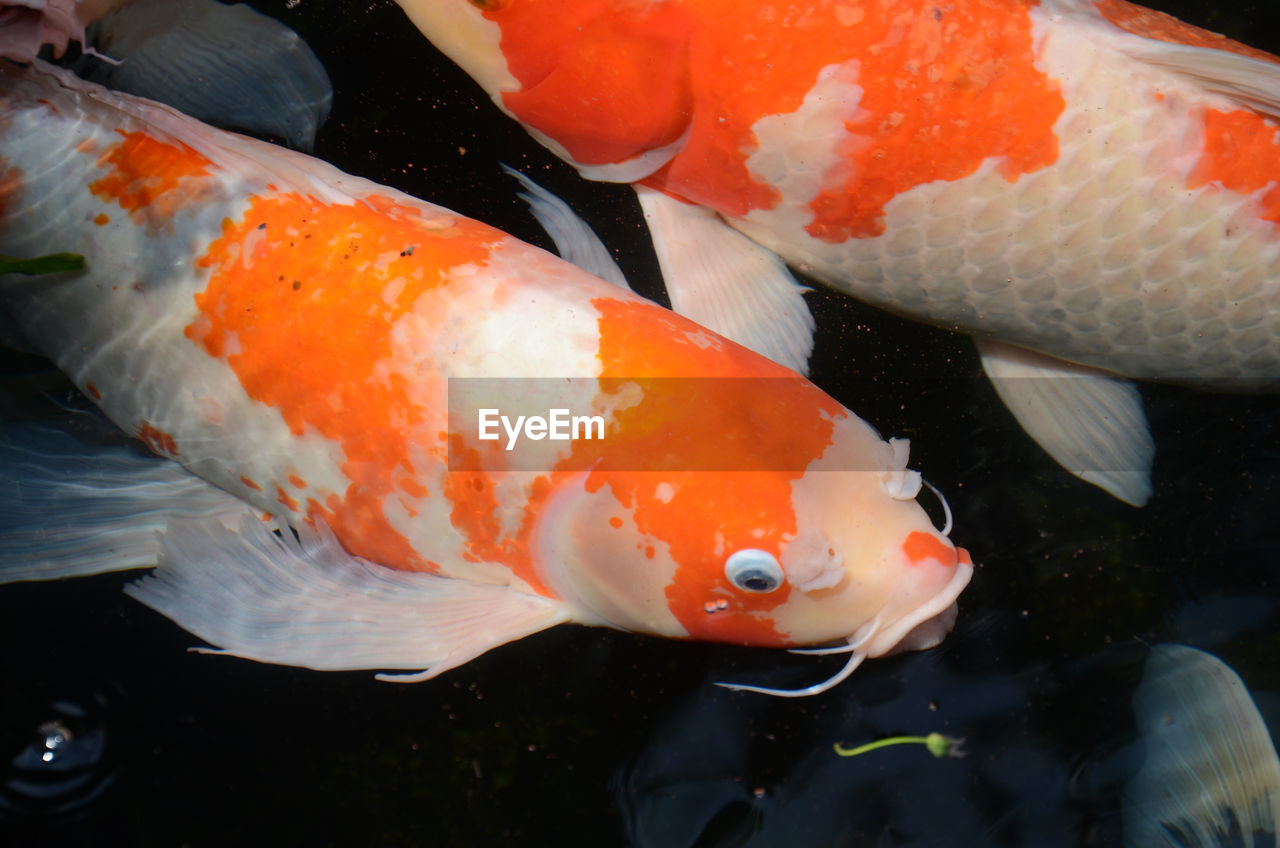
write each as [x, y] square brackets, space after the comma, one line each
[111, 733]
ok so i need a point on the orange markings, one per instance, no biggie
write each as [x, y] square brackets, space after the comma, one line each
[476, 514]
[703, 517]
[250, 483]
[318, 352]
[93, 391]
[962, 556]
[1241, 153]
[615, 522]
[920, 546]
[152, 179]
[290, 502]
[158, 440]
[1161, 27]
[633, 59]
[297, 482]
[11, 184]
[944, 87]
[101, 218]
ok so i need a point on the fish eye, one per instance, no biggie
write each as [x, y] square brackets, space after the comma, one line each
[753, 570]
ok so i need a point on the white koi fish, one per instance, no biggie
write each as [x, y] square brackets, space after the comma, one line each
[324, 350]
[1086, 186]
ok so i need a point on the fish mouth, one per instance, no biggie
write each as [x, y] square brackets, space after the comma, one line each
[927, 623]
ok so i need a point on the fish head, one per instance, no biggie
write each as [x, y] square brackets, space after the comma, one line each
[819, 538]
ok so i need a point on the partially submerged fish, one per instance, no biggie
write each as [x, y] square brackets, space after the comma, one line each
[1211, 774]
[1087, 186]
[321, 348]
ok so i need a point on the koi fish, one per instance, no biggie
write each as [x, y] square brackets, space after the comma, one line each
[1088, 187]
[317, 354]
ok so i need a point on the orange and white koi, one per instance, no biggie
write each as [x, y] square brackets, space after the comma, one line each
[1088, 180]
[292, 335]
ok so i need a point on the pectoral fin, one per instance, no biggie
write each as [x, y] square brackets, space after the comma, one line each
[302, 600]
[725, 281]
[71, 508]
[1092, 423]
[227, 65]
[575, 241]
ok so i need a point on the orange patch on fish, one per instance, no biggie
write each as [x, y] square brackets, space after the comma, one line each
[703, 518]
[1149, 23]
[966, 69]
[920, 546]
[101, 219]
[152, 179]
[93, 391]
[250, 483]
[295, 348]
[10, 186]
[628, 57]
[475, 514]
[159, 441]
[1241, 153]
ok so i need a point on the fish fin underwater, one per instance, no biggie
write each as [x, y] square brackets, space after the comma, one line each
[720, 278]
[286, 340]
[220, 570]
[1092, 423]
[1211, 774]
[225, 64]
[1101, 193]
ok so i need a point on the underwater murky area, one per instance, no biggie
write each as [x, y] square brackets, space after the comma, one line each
[111, 732]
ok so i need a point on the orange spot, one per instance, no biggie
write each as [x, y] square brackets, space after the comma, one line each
[11, 184]
[101, 218]
[413, 488]
[87, 146]
[962, 556]
[944, 87]
[615, 522]
[250, 483]
[158, 440]
[1241, 153]
[1161, 27]
[285, 498]
[921, 546]
[93, 391]
[316, 355]
[297, 482]
[152, 179]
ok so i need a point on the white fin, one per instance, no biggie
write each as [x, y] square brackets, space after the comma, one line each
[305, 601]
[68, 509]
[575, 241]
[725, 281]
[1251, 82]
[1211, 775]
[1091, 422]
[227, 65]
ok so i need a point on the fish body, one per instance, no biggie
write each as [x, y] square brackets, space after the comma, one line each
[298, 337]
[1092, 181]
